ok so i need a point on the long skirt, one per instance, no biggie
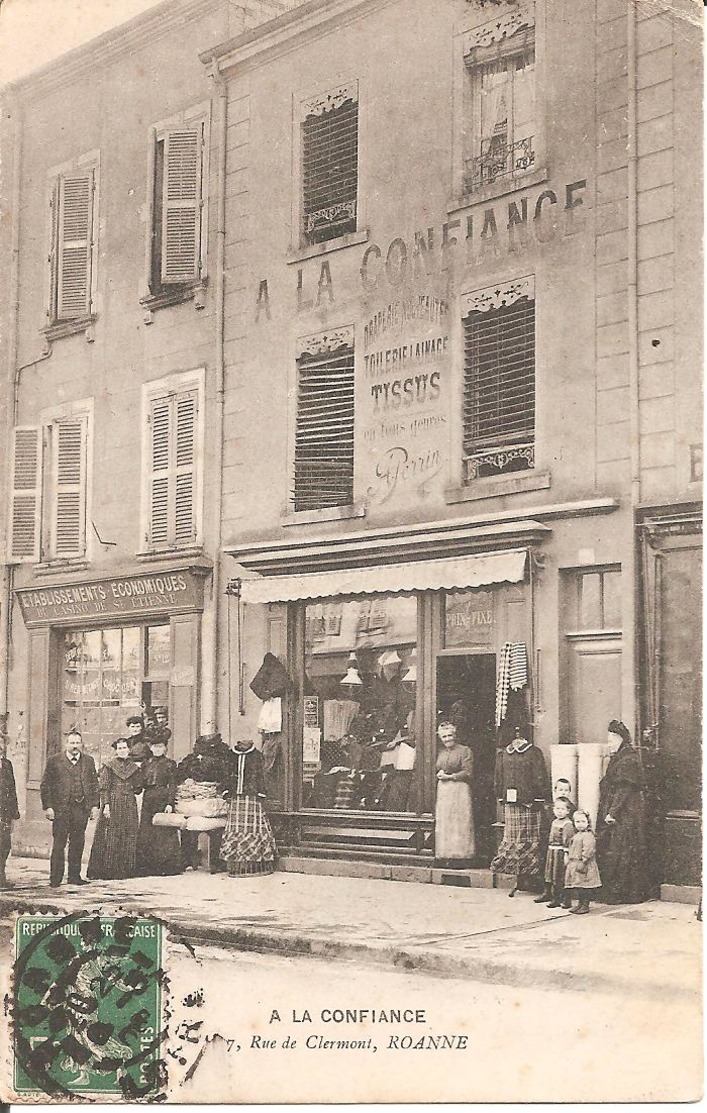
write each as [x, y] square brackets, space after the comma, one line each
[158, 850]
[248, 846]
[454, 821]
[114, 847]
[519, 851]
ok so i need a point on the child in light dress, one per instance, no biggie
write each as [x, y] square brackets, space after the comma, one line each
[581, 870]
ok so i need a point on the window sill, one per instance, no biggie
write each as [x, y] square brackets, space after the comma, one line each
[60, 329]
[312, 251]
[327, 514]
[191, 291]
[501, 188]
[155, 556]
[68, 564]
[496, 486]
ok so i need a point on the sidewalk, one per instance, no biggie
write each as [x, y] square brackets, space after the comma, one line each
[641, 950]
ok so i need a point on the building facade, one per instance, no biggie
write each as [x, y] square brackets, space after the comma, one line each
[110, 349]
[458, 397]
[366, 339]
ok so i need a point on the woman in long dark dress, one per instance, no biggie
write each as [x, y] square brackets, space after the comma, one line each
[621, 836]
[158, 849]
[113, 854]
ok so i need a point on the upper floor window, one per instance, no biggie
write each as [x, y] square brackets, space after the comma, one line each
[502, 124]
[598, 599]
[177, 194]
[50, 488]
[499, 379]
[173, 451]
[73, 243]
[329, 127]
[324, 434]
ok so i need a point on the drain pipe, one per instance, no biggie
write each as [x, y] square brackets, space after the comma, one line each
[633, 353]
[210, 689]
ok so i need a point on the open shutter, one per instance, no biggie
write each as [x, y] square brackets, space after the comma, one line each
[69, 524]
[26, 495]
[160, 428]
[53, 257]
[185, 492]
[181, 207]
[74, 243]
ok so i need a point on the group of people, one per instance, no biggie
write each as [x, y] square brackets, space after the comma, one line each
[569, 857]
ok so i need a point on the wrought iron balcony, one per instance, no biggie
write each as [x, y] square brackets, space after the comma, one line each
[498, 160]
[498, 461]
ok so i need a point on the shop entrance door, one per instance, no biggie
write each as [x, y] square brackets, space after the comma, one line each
[466, 694]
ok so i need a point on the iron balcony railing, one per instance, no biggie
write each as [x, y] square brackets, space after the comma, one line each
[498, 160]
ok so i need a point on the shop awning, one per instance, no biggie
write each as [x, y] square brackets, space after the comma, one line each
[423, 575]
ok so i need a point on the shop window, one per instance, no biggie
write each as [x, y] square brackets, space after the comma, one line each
[499, 379]
[324, 435]
[174, 447]
[358, 747]
[599, 600]
[329, 128]
[73, 246]
[177, 194]
[49, 487]
[501, 126]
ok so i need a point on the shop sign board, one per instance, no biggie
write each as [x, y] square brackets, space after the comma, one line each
[469, 618]
[151, 594]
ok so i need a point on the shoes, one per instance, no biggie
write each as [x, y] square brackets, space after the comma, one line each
[580, 910]
[566, 904]
[54, 884]
[543, 898]
[555, 903]
[77, 881]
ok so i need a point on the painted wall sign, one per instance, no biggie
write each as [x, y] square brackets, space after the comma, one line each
[468, 618]
[160, 593]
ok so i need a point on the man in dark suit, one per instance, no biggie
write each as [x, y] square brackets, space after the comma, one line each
[69, 792]
[9, 811]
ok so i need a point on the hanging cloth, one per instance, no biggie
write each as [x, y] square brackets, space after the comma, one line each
[512, 674]
[518, 666]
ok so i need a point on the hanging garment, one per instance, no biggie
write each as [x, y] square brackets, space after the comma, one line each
[512, 675]
[270, 717]
[338, 717]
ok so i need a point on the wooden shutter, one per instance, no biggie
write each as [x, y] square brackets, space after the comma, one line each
[499, 379]
[75, 233]
[330, 171]
[69, 437]
[181, 206]
[53, 257]
[26, 494]
[324, 439]
[172, 513]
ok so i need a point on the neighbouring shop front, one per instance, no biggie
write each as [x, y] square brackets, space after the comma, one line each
[376, 656]
[104, 649]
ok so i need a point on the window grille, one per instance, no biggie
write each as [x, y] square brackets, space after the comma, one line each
[499, 388]
[330, 166]
[324, 438]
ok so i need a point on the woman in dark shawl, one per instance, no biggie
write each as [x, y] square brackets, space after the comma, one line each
[115, 842]
[158, 849]
[621, 837]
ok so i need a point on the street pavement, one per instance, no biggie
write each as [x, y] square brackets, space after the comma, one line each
[648, 950]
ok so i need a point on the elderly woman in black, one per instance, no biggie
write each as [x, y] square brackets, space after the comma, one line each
[114, 847]
[621, 838]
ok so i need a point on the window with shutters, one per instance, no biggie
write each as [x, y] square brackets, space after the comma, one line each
[49, 490]
[329, 133]
[175, 263]
[324, 433]
[172, 463]
[73, 244]
[499, 379]
[501, 126]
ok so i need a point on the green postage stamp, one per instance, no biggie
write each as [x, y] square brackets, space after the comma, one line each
[88, 1006]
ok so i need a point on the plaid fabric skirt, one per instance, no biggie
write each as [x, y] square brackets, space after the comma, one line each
[519, 851]
[248, 846]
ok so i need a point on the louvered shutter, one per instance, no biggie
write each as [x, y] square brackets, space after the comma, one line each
[161, 429]
[330, 171]
[172, 514]
[25, 495]
[499, 381]
[69, 437]
[181, 206]
[53, 253]
[324, 439]
[75, 233]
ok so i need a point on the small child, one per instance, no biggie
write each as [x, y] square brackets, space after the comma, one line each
[561, 832]
[581, 871]
[562, 787]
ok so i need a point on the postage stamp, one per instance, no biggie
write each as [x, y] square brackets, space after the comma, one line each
[88, 1006]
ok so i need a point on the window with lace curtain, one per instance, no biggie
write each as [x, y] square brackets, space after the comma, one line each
[502, 127]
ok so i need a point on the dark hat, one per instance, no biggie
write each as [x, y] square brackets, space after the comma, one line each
[617, 727]
[114, 744]
[134, 719]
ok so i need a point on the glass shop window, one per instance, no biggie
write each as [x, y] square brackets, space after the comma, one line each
[359, 750]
